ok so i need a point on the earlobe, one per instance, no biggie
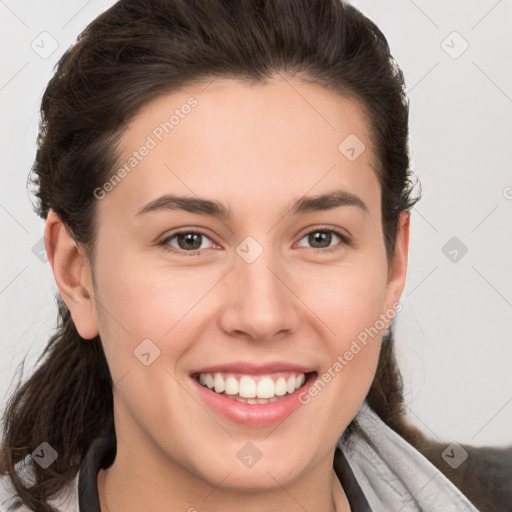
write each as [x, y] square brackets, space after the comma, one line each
[72, 273]
[398, 265]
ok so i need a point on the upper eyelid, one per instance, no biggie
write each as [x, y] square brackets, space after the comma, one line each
[338, 231]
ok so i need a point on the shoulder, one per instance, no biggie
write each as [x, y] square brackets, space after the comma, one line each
[67, 498]
[9, 502]
[484, 474]
[393, 474]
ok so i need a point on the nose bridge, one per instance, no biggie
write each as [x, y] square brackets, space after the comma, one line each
[262, 304]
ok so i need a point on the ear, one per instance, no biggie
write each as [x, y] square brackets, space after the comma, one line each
[72, 273]
[398, 264]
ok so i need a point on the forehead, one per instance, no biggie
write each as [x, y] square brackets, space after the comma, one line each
[245, 144]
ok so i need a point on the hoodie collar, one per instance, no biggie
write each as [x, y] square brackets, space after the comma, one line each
[102, 452]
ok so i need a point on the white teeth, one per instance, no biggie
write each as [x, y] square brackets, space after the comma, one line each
[266, 388]
[231, 386]
[290, 384]
[247, 387]
[218, 383]
[248, 390]
[280, 388]
[260, 401]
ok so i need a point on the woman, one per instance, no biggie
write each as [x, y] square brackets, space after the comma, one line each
[226, 191]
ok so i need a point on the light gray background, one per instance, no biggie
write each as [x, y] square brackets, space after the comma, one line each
[454, 341]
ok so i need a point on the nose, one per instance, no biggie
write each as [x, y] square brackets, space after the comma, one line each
[260, 299]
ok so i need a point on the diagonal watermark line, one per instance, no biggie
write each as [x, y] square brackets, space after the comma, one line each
[13, 279]
[208, 84]
[115, 384]
[76, 14]
[492, 81]
[13, 218]
[301, 300]
[310, 188]
[14, 76]
[196, 400]
[12, 12]
[198, 301]
[273, 429]
[306, 101]
[486, 14]
[422, 78]
[430, 273]
[96, 301]
[489, 283]
[419, 419]
[484, 218]
[285, 490]
[424, 13]
[416, 494]
[278, 425]
[425, 219]
[508, 401]
[213, 490]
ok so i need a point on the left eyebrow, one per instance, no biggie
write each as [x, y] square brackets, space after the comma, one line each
[327, 201]
[303, 204]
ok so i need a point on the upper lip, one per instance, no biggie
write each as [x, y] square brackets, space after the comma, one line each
[254, 368]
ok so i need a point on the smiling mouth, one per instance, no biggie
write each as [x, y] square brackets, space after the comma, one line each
[254, 389]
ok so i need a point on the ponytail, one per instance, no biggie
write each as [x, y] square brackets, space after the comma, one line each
[67, 402]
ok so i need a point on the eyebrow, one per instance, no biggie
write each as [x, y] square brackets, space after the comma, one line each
[303, 204]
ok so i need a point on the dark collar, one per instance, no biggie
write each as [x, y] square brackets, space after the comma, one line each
[102, 452]
[101, 455]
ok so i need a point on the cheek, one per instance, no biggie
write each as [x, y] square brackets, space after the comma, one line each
[137, 302]
[348, 298]
[350, 301]
[353, 314]
[148, 312]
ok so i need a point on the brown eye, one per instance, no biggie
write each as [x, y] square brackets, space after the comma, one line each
[322, 240]
[189, 241]
[186, 241]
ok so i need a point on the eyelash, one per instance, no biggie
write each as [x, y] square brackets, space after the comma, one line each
[321, 229]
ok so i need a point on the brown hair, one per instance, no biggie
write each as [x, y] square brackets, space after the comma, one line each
[132, 53]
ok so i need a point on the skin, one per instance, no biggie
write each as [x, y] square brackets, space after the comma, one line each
[256, 149]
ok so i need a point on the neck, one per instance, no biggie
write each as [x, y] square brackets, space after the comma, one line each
[133, 487]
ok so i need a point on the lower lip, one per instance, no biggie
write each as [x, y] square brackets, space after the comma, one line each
[257, 414]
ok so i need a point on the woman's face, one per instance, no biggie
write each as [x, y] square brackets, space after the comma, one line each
[271, 287]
